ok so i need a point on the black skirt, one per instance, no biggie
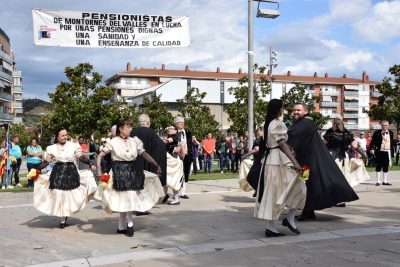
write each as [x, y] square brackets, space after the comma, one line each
[127, 176]
[64, 176]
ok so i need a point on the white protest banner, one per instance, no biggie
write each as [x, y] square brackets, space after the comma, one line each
[108, 30]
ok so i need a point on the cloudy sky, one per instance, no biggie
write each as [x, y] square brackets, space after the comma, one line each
[334, 36]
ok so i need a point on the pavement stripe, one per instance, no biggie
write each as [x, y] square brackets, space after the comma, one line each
[213, 247]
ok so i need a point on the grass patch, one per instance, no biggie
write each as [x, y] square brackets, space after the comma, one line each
[24, 187]
[393, 168]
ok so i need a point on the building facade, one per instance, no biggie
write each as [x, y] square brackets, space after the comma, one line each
[349, 97]
[10, 95]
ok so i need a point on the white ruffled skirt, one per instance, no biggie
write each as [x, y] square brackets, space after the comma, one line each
[63, 202]
[139, 200]
[174, 172]
[354, 170]
[244, 169]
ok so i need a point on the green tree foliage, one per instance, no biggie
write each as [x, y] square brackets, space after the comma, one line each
[299, 94]
[388, 106]
[160, 117]
[198, 117]
[78, 104]
[238, 110]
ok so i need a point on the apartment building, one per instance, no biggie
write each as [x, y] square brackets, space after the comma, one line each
[349, 97]
[10, 95]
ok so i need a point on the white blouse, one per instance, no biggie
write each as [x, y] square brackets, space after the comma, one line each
[124, 151]
[64, 153]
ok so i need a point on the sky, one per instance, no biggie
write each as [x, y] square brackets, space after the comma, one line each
[324, 36]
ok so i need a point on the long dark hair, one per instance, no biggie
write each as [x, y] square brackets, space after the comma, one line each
[57, 132]
[274, 107]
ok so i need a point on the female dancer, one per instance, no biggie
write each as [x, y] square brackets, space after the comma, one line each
[338, 139]
[174, 165]
[131, 189]
[64, 190]
[280, 186]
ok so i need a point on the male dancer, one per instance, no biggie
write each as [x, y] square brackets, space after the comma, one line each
[185, 138]
[326, 185]
[383, 150]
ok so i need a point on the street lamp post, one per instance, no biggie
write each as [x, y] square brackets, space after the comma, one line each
[264, 13]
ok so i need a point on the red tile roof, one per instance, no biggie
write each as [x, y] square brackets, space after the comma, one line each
[234, 76]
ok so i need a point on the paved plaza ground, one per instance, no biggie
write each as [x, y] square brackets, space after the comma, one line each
[215, 227]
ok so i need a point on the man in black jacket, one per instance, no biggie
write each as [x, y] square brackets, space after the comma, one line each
[383, 149]
[185, 138]
[396, 144]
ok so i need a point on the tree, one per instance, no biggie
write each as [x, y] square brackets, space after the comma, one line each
[388, 104]
[160, 117]
[238, 110]
[17, 129]
[299, 94]
[78, 105]
[198, 117]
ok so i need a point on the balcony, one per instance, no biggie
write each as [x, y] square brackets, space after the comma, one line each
[6, 56]
[329, 104]
[376, 127]
[17, 104]
[18, 120]
[351, 104]
[332, 93]
[351, 126]
[350, 92]
[311, 91]
[355, 115]
[375, 94]
[17, 89]
[6, 97]
[18, 97]
[6, 116]
[17, 74]
[18, 110]
[6, 76]
[131, 86]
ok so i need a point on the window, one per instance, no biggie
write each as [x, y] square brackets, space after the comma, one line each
[334, 98]
[334, 111]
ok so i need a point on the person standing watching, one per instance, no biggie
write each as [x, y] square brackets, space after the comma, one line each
[185, 138]
[222, 147]
[238, 156]
[16, 152]
[208, 152]
[397, 147]
[371, 158]
[382, 149]
[232, 151]
[84, 146]
[34, 157]
[362, 143]
[196, 145]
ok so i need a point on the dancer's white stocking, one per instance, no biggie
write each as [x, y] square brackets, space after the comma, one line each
[385, 174]
[183, 191]
[271, 226]
[121, 222]
[63, 219]
[290, 217]
[378, 175]
[129, 218]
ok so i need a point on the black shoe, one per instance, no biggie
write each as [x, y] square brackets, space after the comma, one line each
[64, 224]
[307, 215]
[174, 203]
[269, 233]
[386, 183]
[341, 205]
[165, 198]
[184, 196]
[255, 194]
[121, 231]
[286, 223]
[140, 213]
[129, 231]
[377, 184]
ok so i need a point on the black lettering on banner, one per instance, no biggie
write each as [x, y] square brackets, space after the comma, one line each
[117, 43]
[65, 27]
[82, 42]
[145, 43]
[82, 34]
[166, 43]
[57, 20]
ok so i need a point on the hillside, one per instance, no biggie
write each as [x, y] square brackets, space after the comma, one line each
[32, 109]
